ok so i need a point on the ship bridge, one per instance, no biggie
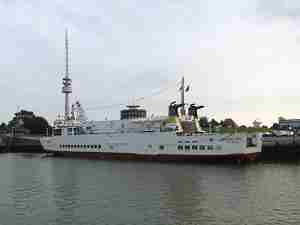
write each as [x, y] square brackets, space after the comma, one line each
[133, 112]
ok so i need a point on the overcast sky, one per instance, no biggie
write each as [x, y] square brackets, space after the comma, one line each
[242, 58]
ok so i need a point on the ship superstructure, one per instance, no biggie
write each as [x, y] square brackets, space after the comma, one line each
[177, 136]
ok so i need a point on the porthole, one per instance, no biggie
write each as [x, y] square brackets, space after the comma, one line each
[201, 147]
[194, 147]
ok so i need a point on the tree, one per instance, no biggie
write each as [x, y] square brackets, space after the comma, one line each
[221, 123]
[229, 123]
[36, 125]
[203, 121]
[3, 128]
[275, 126]
[213, 123]
[26, 119]
[281, 118]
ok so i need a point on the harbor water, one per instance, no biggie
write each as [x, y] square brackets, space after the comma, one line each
[43, 190]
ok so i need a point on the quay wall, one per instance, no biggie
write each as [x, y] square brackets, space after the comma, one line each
[281, 147]
[26, 144]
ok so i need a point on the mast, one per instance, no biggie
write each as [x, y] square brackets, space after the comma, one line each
[182, 89]
[67, 88]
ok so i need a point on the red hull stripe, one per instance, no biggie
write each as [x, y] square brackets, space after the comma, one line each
[161, 157]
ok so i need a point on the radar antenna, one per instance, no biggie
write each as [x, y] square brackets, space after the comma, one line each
[67, 82]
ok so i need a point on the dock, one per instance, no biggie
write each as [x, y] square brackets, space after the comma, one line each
[22, 143]
[281, 148]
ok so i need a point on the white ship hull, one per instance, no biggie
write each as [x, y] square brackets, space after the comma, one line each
[156, 146]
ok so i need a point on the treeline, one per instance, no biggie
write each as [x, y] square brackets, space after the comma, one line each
[229, 125]
[26, 121]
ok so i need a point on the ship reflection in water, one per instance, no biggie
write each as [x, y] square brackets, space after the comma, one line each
[68, 191]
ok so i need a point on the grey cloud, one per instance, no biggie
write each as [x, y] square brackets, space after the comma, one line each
[130, 48]
[279, 8]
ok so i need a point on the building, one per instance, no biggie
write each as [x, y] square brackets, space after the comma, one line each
[256, 123]
[288, 124]
[24, 114]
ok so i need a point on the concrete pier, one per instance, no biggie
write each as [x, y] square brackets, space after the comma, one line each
[22, 143]
[281, 148]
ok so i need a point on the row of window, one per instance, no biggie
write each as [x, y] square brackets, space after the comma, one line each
[198, 147]
[161, 147]
[80, 146]
[210, 139]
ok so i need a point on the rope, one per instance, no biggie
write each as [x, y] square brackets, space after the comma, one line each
[115, 105]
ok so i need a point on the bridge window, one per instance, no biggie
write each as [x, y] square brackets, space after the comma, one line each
[187, 147]
[57, 132]
[70, 131]
[210, 147]
[161, 147]
[180, 147]
[76, 131]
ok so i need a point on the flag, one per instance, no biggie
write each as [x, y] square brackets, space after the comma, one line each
[187, 88]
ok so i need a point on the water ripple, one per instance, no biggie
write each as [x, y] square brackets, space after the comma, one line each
[36, 190]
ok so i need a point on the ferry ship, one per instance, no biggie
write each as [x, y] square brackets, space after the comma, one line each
[176, 137]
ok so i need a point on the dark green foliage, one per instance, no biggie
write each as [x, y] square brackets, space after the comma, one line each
[275, 126]
[35, 124]
[229, 123]
[213, 123]
[204, 122]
